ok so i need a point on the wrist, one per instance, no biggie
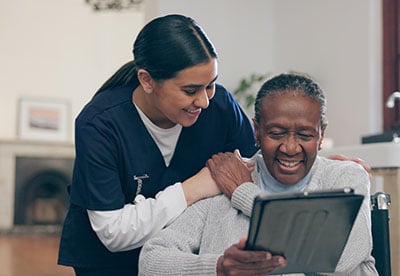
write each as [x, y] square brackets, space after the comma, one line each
[192, 191]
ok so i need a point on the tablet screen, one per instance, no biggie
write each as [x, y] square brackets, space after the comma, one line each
[309, 229]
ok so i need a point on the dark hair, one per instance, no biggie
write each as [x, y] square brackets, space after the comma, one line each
[291, 82]
[165, 46]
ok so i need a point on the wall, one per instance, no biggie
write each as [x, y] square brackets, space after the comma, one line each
[61, 49]
[335, 41]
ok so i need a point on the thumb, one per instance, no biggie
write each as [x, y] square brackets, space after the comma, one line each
[242, 242]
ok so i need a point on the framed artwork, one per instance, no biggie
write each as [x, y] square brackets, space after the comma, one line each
[43, 119]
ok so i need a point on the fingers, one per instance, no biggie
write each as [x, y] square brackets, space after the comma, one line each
[236, 261]
[342, 157]
[244, 256]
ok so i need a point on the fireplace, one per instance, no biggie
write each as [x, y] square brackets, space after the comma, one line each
[41, 190]
[33, 184]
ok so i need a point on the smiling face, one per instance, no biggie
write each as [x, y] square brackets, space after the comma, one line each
[289, 132]
[179, 100]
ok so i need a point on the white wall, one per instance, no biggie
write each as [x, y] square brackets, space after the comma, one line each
[63, 50]
[241, 31]
[59, 50]
[338, 43]
[335, 41]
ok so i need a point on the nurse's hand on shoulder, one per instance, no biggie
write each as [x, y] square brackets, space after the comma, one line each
[200, 186]
[237, 261]
[229, 170]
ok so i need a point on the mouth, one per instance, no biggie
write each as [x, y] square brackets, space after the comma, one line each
[289, 164]
[193, 112]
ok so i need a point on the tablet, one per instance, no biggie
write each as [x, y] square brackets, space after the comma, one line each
[309, 229]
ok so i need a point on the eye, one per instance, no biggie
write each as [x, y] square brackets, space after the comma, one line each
[305, 136]
[190, 92]
[277, 134]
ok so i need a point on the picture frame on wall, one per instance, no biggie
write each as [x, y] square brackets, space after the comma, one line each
[44, 119]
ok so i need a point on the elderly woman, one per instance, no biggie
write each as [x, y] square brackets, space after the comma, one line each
[290, 122]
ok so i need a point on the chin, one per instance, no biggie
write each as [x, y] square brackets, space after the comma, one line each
[288, 181]
[188, 123]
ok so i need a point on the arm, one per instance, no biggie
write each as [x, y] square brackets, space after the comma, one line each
[100, 185]
[184, 247]
[174, 251]
[131, 226]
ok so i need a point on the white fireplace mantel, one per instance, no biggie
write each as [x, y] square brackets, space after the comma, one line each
[9, 150]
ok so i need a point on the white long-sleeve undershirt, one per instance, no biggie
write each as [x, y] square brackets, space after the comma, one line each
[131, 226]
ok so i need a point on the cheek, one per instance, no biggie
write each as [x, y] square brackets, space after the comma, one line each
[172, 102]
[311, 149]
[269, 146]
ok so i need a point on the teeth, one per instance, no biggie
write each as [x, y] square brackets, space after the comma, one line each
[192, 111]
[289, 164]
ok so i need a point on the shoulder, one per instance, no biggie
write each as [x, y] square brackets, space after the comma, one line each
[332, 174]
[106, 101]
[335, 166]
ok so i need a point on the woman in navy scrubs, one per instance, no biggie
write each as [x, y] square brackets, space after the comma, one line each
[141, 143]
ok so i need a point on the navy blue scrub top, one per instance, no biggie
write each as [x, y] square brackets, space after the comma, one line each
[113, 145]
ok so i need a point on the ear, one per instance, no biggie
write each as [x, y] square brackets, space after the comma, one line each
[256, 132]
[146, 81]
[322, 137]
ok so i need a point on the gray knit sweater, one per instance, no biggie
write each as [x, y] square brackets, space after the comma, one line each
[192, 244]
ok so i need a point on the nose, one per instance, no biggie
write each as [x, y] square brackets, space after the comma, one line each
[290, 145]
[203, 98]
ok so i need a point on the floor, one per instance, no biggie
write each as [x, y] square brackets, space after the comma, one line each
[31, 255]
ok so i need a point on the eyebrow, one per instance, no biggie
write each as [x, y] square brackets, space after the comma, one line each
[196, 86]
[301, 128]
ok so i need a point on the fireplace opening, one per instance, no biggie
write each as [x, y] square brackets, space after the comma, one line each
[45, 199]
[41, 196]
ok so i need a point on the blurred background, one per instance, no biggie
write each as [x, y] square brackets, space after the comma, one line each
[55, 54]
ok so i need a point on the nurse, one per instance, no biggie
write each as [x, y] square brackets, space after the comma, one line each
[141, 143]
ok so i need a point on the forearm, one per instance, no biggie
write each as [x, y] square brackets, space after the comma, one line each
[159, 258]
[131, 226]
[199, 186]
[176, 249]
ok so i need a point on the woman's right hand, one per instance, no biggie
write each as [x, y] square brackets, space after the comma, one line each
[238, 261]
[200, 186]
[229, 170]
